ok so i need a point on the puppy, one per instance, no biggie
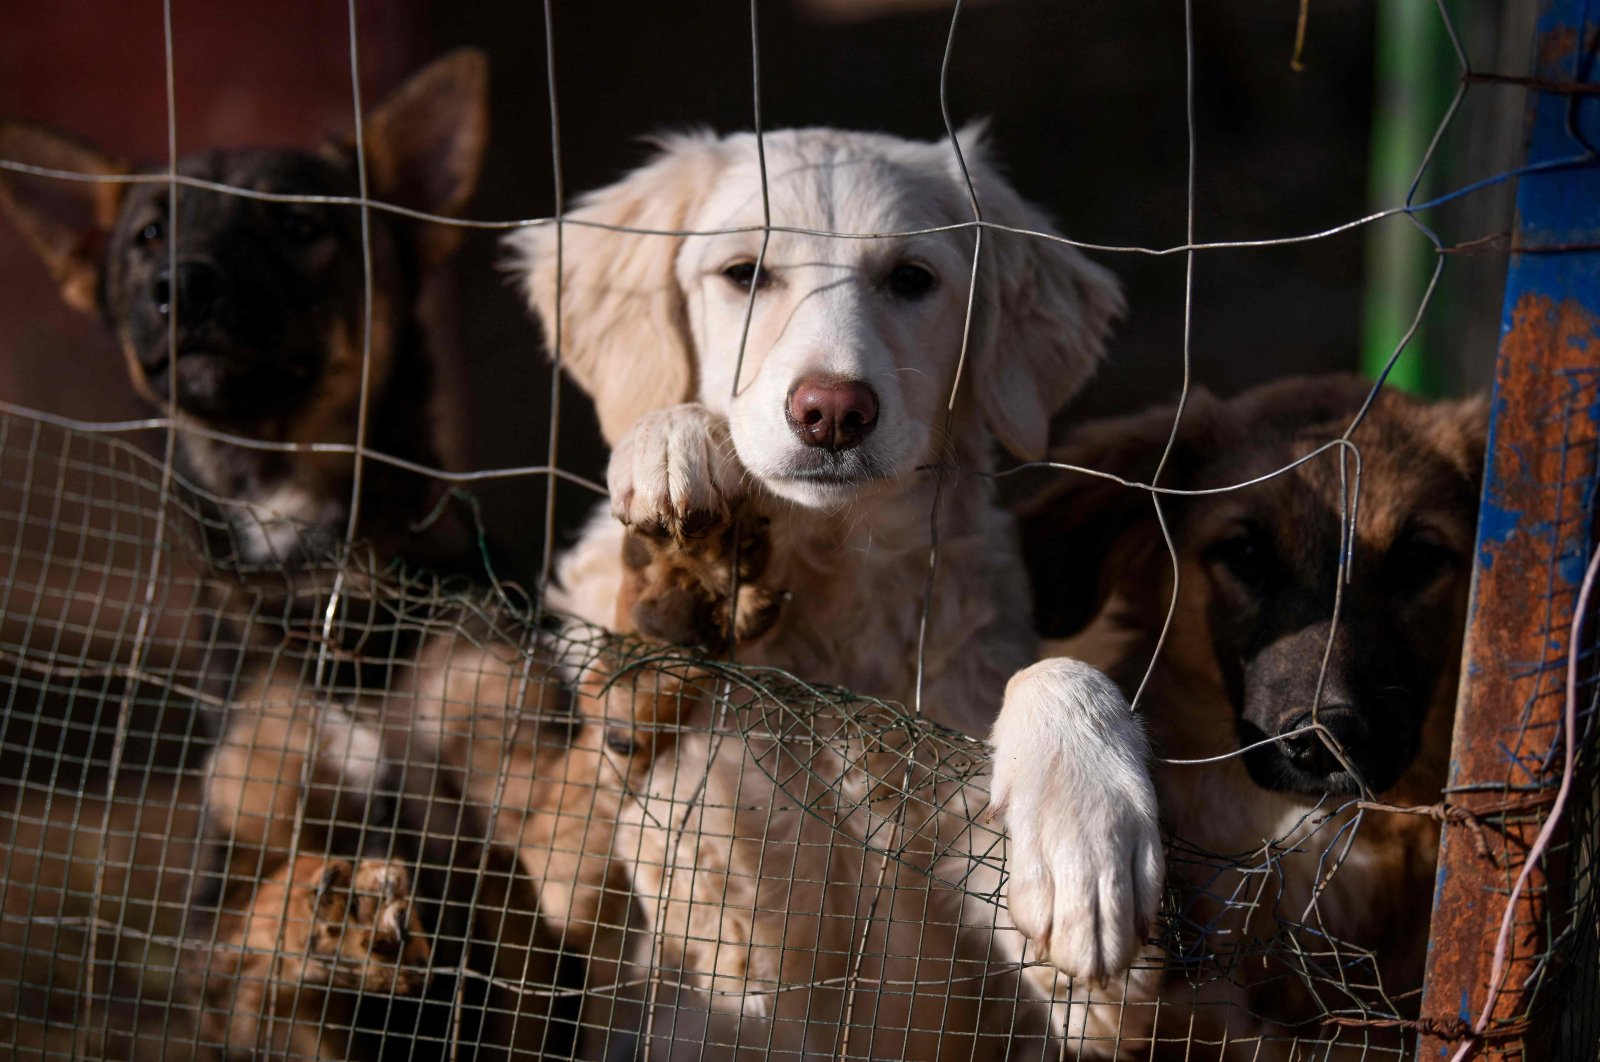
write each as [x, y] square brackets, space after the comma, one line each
[257, 323]
[1296, 905]
[813, 427]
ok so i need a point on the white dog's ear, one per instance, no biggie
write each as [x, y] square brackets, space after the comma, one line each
[624, 324]
[1042, 314]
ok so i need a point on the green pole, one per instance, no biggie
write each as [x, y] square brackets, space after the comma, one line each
[1413, 61]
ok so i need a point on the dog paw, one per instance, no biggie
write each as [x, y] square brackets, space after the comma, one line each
[363, 929]
[700, 591]
[1072, 783]
[674, 474]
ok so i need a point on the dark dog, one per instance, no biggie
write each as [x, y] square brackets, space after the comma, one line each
[256, 318]
[255, 322]
[1283, 935]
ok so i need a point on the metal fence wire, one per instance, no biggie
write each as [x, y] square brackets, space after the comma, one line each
[459, 825]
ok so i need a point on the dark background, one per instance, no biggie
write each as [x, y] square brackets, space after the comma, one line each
[1087, 105]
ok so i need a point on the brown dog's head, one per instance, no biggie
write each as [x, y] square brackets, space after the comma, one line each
[1259, 565]
[257, 315]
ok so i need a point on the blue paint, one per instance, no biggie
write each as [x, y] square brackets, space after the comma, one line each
[1573, 560]
[1556, 205]
[1496, 525]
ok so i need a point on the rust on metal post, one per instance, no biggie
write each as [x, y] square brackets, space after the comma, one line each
[1534, 539]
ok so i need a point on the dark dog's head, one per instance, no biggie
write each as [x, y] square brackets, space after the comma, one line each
[251, 312]
[1258, 566]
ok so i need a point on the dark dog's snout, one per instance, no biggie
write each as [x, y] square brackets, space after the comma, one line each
[1310, 753]
[832, 413]
[200, 286]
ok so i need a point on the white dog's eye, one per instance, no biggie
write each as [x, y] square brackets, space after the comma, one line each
[909, 281]
[743, 274]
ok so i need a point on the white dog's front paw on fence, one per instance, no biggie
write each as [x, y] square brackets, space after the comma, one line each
[675, 473]
[1072, 781]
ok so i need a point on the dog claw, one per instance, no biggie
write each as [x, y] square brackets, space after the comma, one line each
[696, 524]
[331, 875]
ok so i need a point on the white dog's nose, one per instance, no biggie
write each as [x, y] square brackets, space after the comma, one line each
[833, 413]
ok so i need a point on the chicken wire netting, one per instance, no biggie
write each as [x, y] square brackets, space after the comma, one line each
[461, 826]
[543, 790]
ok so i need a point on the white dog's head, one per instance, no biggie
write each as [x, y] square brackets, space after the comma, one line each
[853, 344]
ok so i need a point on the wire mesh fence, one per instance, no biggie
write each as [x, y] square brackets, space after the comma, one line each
[317, 802]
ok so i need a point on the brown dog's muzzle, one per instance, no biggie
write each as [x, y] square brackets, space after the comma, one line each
[1365, 726]
[1320, 754]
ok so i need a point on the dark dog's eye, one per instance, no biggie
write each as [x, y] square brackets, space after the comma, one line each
[150, 233]
[1244, 555]
[909, 281]
[1415, 564]
[303, 227]
[743, 274]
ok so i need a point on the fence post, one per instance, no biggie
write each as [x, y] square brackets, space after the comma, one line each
[1534, 538]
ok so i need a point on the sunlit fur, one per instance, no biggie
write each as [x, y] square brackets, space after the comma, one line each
[652, 326]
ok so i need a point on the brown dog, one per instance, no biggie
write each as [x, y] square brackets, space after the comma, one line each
[1296, 904]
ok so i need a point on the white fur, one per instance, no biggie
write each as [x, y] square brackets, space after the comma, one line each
[348, 748]
[1085, 856]
[674, 462]
[285, 523]
[653, 329]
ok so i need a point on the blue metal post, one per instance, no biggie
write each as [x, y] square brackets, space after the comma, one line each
[1534, 539]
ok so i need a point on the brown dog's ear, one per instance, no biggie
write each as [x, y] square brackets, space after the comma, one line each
[1085, 537]
[624, 323]
[1461, 431]
[425, 143]
[1042, 316]
[67, 222]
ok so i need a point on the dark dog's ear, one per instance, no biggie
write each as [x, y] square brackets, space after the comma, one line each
[68, 222]
[1085, 537]
[425, 143]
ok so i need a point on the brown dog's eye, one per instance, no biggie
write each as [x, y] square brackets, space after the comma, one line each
[743, 274]
[1244, 555]
[909, 281]
[1415, 564]
[150, 233]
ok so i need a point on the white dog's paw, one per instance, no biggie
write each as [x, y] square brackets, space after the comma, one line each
[1072, 780]
[675, 473]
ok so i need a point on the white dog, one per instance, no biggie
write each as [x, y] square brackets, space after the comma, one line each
[820, 418]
